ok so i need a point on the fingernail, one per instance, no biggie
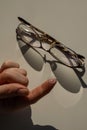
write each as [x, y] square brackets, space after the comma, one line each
[52, 81]
[23, 91]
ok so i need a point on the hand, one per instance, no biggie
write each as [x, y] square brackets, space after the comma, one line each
[14, 93]
[13, 80]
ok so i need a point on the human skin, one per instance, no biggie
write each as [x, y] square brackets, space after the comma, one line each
[14, 88]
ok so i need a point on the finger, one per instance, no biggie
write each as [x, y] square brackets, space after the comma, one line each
[18, 102]
[13, 89]
[19, 70]
[22, 71]
[41, 91]
[9, 64]
[9, 76]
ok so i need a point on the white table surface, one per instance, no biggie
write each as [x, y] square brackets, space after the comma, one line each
[66, 20]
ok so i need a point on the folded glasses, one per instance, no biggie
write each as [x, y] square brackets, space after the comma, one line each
[36, 38]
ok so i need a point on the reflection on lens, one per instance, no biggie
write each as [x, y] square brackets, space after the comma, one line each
[30, 40]
[33, 58]
[46, 46]
[23, 28]
[64, 58]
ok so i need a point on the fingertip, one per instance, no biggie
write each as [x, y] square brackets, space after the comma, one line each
[25, 81]
[52, 81]
[48, 85]
[41, 90]
[22, 71]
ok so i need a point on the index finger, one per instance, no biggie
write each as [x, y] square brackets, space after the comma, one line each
[41, 91]
[13, 104]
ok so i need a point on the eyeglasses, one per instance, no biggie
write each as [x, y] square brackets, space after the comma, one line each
[36, 38]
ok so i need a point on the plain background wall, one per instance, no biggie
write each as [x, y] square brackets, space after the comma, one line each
[66, 20]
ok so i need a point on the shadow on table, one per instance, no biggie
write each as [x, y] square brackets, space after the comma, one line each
[71, 79]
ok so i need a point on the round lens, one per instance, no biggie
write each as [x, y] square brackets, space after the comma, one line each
[65, 58]
[28, 35]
